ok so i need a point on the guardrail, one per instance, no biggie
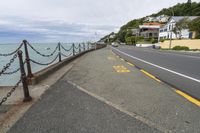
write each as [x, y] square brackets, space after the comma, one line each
[24, 78]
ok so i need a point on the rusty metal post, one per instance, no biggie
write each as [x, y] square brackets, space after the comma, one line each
[84, 46]
[28, 64]
[59, 49]
[27, 96]
[79, 48]
[73, 49]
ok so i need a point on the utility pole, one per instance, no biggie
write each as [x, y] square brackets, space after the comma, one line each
[171, 28]
[189, 1]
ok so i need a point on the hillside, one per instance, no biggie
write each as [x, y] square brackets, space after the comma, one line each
[180, 9]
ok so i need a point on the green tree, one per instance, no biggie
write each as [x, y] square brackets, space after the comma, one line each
[194, 25]
[181, 25]
[129, 33]
[121, 36]
[175, 31]
[129, 40]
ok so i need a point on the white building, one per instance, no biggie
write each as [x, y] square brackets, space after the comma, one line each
[150, 19]
[160, 19]
[166, 31]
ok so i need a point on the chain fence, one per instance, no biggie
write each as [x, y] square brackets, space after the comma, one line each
[76, 47]
[66, 55]
[4, 99]
[59, 49]
[45, 64]
[8, 65]
[66, 49]
[14, 52]
[44, 55]
[3, 72]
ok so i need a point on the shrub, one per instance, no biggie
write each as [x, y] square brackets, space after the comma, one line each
[181, 48]
[197, 37]
[162, 40]
[152, 40]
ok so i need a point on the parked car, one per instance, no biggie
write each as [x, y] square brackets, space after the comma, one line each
[156, 47]
[115, 44]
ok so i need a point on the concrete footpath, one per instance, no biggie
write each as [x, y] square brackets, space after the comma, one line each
[104, 94]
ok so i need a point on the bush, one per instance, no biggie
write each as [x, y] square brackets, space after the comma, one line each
[181, 48]
[153, 41]
[162, 40]
[197, 37]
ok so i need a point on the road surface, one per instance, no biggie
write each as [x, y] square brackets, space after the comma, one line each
[182, 71]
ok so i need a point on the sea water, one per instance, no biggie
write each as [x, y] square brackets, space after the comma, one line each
[47, 48]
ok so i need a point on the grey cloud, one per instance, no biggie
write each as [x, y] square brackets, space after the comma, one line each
[78, 19]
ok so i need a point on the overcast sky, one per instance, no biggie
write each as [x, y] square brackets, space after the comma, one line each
[70, 20]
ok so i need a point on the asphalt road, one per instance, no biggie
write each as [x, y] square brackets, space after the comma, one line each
[182, 71]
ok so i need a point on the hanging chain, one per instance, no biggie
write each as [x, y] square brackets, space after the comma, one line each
[8, 64]
[9, 54]
[44, 55]
[66, 49]
[10, 92]
[44, 64]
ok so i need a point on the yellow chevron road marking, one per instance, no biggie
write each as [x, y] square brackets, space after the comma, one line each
[121, 69]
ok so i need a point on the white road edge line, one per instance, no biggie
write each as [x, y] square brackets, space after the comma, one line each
[163, 68]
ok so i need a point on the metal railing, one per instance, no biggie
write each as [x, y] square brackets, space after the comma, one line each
[25, 65]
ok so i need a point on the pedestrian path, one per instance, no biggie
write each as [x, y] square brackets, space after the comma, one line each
[65, 109]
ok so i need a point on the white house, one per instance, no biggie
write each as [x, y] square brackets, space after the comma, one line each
[165, 32]
[162, 18]
[150, 19]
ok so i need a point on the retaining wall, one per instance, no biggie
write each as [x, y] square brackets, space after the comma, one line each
[192, 44]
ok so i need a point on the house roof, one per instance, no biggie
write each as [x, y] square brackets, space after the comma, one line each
[178, 18]
[149, 26]
[153, 25]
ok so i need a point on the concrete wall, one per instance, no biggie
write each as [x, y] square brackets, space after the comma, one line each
[192, 44]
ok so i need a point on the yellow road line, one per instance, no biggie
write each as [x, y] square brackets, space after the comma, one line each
[189, 98]
[130, 64]
[150, 75]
